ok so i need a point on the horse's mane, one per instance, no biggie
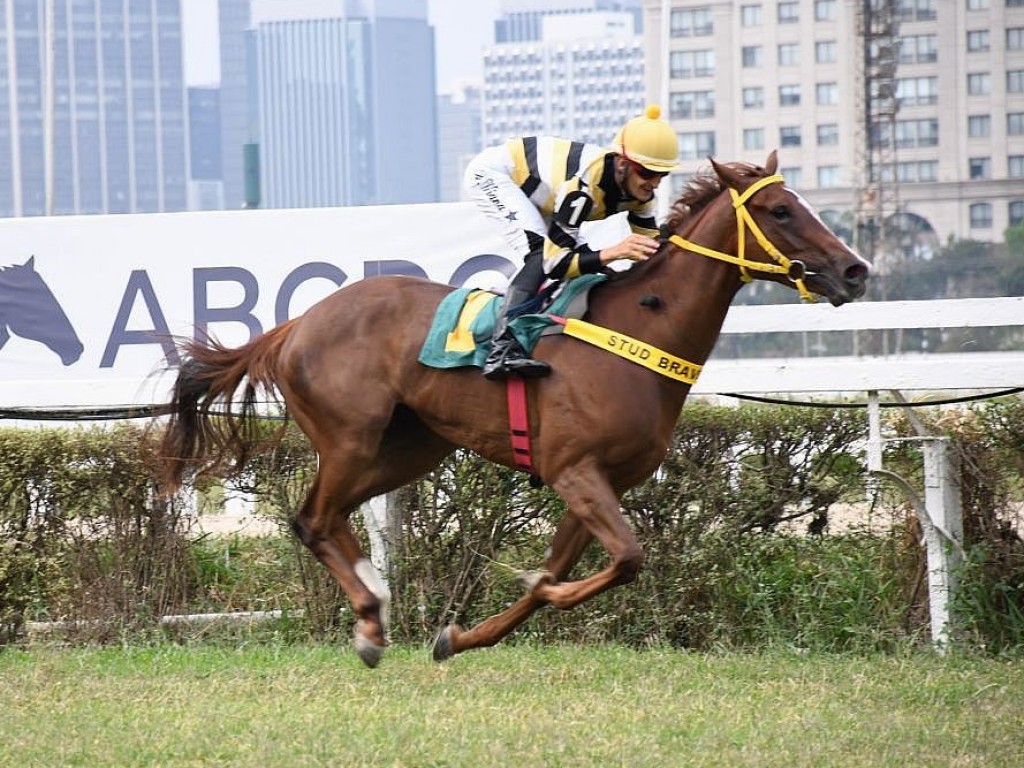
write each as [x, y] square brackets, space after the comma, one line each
[701, 189]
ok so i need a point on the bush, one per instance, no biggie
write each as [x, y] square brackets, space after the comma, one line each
[735, 525]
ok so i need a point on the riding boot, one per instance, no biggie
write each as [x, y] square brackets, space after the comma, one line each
[507, 356]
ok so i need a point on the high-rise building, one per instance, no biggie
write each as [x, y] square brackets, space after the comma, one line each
[583, 79]
[521, 20]
[915, 106]
[206, 186]
[459, 138]
[346, 105]
[105, 131]
[238, 123]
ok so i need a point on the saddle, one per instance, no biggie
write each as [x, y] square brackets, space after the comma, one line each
[460, 334]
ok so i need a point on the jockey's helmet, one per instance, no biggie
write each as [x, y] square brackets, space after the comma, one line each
[649, 141]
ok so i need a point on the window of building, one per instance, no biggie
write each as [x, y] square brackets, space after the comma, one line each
[789, 12]
[753, 97]
[979, 126]
[696, 145]
[1015, 39]
[686, 64]
[918, 49]
[691, 22]
[750, 16]
[918, 10]
[981, 215]
[828, 176]
[1015, 3]
[794, 176]
[1016, 211]
[789, 55]
[824, 10]
[917, 91]
[826, 94]
[1015, 124]
[1015, 81]
[1015, 166]
[684, 105]
[828, 134]
[789, 136]
[980, 83]
[753, 138]
[917, 133]
[977, 5]
[826, 52]
[979, 168]
[752, 56]
[978, 40]
[789, 95]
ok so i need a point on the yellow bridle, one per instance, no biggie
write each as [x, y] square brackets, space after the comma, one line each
[792, 268]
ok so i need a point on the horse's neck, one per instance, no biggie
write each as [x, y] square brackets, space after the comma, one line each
[690, 293]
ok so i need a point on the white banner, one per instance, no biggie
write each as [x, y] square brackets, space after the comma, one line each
[88, 303]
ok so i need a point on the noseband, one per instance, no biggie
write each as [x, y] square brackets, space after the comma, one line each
[792, 268]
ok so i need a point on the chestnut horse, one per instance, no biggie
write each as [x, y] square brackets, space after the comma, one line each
[348, 373]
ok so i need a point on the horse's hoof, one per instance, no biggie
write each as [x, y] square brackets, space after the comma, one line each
[368, 651]
[443, 647]
[529, 580]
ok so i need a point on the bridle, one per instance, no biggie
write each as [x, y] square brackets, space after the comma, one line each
[794, 269]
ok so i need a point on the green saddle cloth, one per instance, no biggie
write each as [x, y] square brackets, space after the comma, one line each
[447, 346]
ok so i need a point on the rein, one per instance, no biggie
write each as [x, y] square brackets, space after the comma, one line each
[792, 268]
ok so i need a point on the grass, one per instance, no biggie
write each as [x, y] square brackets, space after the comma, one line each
[272, 706]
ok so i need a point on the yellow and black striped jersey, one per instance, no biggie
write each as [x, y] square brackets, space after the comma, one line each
[571, 182]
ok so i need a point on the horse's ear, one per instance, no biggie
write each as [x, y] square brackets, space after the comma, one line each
[772, 163]
[31, 263]
[728, 176]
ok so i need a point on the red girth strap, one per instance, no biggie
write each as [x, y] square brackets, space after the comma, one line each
[519, 424]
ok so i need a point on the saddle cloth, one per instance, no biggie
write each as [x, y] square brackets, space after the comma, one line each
[460, 334]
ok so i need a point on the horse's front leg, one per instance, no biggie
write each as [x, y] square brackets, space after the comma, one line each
[570, 541]
[592, 500]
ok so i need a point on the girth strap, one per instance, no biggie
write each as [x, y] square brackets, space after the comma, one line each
[519, 424]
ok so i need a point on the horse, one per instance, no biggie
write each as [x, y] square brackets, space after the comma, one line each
[29, 309]
[348, 374]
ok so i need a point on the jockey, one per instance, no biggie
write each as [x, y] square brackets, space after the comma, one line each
[540, 190]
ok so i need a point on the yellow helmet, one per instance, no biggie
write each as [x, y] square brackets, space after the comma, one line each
[649, 141]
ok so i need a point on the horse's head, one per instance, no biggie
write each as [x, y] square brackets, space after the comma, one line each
[29, 309]
[778, 236]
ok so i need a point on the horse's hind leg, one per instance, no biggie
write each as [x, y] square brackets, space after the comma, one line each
[571, 540]
[345, 480]
[327, 533]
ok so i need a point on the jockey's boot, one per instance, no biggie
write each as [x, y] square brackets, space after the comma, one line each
[507, 356]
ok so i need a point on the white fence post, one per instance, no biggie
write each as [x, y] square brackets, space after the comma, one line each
[943, 534]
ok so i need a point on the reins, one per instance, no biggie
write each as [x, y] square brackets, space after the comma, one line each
[792, 268]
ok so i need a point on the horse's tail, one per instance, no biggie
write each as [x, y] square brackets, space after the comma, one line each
[218, 442]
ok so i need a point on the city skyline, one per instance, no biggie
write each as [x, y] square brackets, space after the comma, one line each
[461, 32]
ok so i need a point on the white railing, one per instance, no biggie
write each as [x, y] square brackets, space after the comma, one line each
[851, 374]
[937, 505]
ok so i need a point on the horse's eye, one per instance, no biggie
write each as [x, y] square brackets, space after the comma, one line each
[780, 213]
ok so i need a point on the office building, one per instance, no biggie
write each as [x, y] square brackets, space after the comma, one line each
[346, 110]
[521, 20]
[106, 130]
[900, 115]
[583, 79]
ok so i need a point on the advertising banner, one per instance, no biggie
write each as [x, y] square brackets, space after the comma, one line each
[89, 305]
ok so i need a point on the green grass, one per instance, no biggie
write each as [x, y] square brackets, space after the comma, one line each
[509, 706]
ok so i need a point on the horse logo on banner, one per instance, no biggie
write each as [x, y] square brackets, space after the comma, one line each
[29, 309]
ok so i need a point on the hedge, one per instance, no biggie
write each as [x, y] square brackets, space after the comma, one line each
[736, 526]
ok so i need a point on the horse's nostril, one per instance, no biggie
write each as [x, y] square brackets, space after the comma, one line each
[857, 273]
